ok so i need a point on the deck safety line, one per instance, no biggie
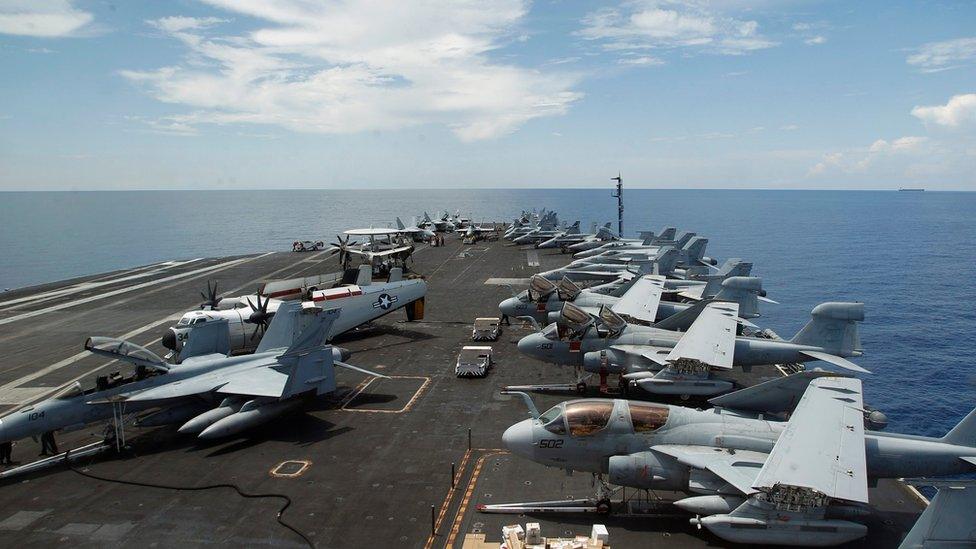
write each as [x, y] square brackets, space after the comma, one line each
[459, 517]
[447, 501]
[406, 407]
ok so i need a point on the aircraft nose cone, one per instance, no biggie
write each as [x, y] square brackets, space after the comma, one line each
[169, 340]
[518, 439]
[529, 344]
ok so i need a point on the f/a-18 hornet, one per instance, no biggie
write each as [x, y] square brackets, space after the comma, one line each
[753, 476]
[211, 394]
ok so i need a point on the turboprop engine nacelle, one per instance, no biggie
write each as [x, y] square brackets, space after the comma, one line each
[647, 470]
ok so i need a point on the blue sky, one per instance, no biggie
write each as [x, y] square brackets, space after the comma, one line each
[301, 94]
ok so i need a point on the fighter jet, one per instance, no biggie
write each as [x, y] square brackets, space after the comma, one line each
[662, 361]
[663, 264]
[441, 225]
[212, 394]
[603, 235]
[541, 235]
[418, 234]
[545, 221]
[753, 476]
[361, 300]
[646, 238]
[640, 301]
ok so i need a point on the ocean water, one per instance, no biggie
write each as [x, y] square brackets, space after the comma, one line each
[908, 256]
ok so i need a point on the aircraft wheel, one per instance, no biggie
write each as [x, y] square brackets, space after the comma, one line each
[603, 507]
[581, 388]
[684, 397]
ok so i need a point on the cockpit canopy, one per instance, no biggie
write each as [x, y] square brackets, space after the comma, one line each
[586, 417]
[579, 418]
[567, 289]
[127, 351]
[540, 288]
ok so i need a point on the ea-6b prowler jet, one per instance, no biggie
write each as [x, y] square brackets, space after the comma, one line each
[211, 393]
[753, 477]
[361, 300]
[662, 361]
[640, 302]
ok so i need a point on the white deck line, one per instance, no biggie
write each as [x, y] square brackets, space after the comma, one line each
[127, 289]
[81, 287]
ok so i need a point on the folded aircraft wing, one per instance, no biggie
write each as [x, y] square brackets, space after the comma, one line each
[822, 447]
[642, 299]
[947, 521]
[711, 338]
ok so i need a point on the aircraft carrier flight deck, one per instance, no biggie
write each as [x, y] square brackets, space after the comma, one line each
[370, 466]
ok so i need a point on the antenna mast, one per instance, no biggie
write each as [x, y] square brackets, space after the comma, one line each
[619, 195]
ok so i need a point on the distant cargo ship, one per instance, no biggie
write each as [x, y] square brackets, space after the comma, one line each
[908, 189]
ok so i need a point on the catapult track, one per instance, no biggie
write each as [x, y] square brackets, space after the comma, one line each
[371, 463]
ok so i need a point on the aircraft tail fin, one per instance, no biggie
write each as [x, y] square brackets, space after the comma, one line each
[291, 328]
[400, 224]
[574, 228]
[696, 248]
[964, 433]
[833, 327]
[666, 261]
[668, 233]
[211, 337]
[684, 239]
[744, 290]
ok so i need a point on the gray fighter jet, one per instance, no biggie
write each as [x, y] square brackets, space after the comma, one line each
[541, 235]
[663, 361]
[640, 301]
[664, 263]
[211, 394]
[564, 241]
[753, 478]
[417, 233]
[647, 239]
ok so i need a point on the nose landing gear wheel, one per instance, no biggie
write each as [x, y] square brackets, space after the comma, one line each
[581, 388]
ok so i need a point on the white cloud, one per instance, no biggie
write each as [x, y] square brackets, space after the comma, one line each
[669, 24]
[815, 40]
[940, 56]
[859, 160]
[789, 127]
[645, 60]
[42, 18]
[339, 67]
[961, 109]
[180, 24]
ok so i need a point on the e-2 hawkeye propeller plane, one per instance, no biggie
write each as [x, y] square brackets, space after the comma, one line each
[362, 300]
[753, 476]
[666, 362]
[211, 393]
[383, 249]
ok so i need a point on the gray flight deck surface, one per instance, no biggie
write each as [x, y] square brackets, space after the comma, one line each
[379, 453]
